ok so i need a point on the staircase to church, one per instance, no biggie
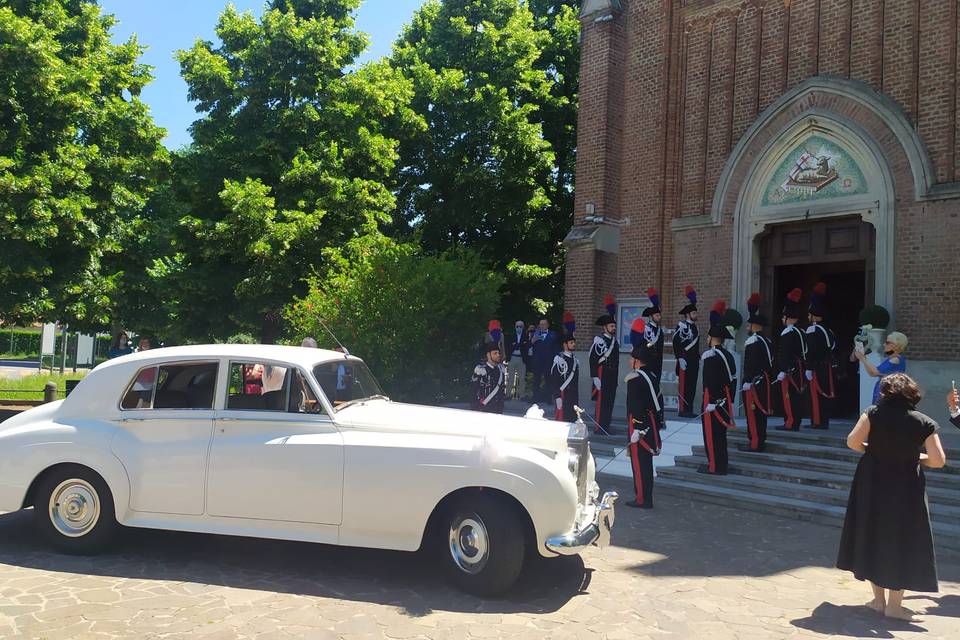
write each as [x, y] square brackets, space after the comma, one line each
[804, 475]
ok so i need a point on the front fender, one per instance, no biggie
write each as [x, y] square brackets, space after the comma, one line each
[27, 453]
[391, 488]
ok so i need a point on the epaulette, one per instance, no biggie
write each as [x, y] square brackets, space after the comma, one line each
[598, 340]
[812, 328]
[751, 340]
[787, 329]
[630, 376]
[712, 351]
[557, 359]
[480, 370]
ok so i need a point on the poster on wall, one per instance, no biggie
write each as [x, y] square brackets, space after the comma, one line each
[628, 311]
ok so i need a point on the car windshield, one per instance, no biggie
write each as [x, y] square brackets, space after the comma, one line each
[344, 381]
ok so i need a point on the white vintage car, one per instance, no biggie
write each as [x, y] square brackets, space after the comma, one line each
[299, 444]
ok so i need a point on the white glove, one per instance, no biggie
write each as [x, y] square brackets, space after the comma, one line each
[781, 376]
[559, 403]
[710, 408]
[747, 386]
[683, 364]
[635, 436]
[596, 383]
[809, 374]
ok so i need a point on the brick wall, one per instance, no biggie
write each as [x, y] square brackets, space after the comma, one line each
[667, 90]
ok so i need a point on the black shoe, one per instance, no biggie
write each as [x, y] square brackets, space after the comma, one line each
[746, 447]
[704, 469]
[637, 505]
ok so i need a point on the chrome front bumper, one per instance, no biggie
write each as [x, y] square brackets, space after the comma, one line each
[597, 532]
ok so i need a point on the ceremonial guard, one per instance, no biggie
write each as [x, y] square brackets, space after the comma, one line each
[686, 349]
[565, 374]
[490, 381]
[605, 366]
[653, 333]
[758, 375]
[719, 377]
[644, 411]
[790, 358]
[818, 364]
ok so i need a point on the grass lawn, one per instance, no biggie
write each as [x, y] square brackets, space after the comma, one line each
[31, 387]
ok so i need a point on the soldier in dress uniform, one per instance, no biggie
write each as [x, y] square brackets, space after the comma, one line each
[565, 375]
[605, 366]
[654, 334]
[644, 411]
[686, 349]
[790, 358]
[758, 375]
[719, 372]
[490, 381]
[818, 364]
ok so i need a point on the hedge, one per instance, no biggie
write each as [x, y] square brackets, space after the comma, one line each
[27, 342]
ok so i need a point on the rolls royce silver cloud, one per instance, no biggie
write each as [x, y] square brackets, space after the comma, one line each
[299, 444]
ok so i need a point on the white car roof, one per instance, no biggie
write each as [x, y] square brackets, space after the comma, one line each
[306, 357]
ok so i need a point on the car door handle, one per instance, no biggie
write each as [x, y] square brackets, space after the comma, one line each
[228, 419]
[132, 419]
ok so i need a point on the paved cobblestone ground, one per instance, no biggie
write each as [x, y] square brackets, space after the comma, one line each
[683, 571]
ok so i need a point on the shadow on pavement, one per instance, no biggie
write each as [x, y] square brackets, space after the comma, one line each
[694, 539]
[947, 606]
[411, 581]
[853, 622]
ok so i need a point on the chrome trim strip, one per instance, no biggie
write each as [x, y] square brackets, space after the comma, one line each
[596, 533]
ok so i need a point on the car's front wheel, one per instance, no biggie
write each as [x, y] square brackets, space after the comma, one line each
[485, 545]
[74, 510]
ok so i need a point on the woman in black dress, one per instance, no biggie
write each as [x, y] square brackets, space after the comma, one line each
[886, 535]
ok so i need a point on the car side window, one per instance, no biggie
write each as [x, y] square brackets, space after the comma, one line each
[302, 398]
[173, 386]
[258, 386]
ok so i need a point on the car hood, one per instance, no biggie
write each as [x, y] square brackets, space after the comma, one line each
[398, 416]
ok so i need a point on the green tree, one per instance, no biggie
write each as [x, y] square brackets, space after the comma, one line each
[290, 157]
[496, 83]
[422, 350]
[79, 156]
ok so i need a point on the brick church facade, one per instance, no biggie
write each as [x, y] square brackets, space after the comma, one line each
[758, 145]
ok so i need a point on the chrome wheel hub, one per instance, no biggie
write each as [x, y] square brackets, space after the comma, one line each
[469, 544]
[74, 508]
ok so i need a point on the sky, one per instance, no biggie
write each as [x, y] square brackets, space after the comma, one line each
[167, 25]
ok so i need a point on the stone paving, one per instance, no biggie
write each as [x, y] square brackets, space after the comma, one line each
[682, 571]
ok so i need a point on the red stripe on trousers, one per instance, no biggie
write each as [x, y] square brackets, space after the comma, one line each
[599, 395]
[708, 431]
[751, 419]
[815, 399]
[787, 407]
[681, 384]
[635, 461]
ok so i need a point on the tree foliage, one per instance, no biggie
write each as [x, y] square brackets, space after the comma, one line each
[409, 314]
[79, 156]
[495, 81]
[289, 158]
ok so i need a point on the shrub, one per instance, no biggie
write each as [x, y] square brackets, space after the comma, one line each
[412, 317]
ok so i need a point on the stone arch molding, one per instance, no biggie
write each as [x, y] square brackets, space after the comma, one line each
[830, 108]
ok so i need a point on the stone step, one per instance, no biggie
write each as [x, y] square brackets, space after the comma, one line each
[806, 449]
[948, 513]
[947, 536]
[758, 468]
[839, 467]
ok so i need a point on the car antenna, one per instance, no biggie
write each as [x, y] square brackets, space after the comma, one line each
[346, 352]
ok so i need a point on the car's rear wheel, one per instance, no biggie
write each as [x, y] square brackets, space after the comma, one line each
[74, 510]
[484, 544]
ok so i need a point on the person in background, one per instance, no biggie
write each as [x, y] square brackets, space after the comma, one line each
[791, 353]
[654, 336]
[887, 538]
[953, 404]
[757, 380]
[144, 345]
[516, 360]
[120, 346]
[605, 366]
[546, 345]
[686, 350]
[489, 382]
[818, 361]
[644, 411]
[309, 342]
[893, 362]
[565, 379]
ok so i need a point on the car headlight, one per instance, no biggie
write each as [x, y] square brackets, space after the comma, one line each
[573, 461]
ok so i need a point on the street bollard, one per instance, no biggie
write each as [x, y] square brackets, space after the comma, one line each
[50, 391]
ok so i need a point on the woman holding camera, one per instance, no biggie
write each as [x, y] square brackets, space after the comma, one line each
[893, 362]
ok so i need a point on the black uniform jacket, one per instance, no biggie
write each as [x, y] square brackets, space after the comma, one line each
[653, 334]
[644, 407]
[719, 373]
[820, 343]
[686, 341]
[793, 349]
[565, 377]
[489, 385]
[605, 352]
[757, 358]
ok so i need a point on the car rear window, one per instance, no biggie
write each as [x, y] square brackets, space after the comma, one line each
[172, 386]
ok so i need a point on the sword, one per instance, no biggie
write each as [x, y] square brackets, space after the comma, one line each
[580, 414]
